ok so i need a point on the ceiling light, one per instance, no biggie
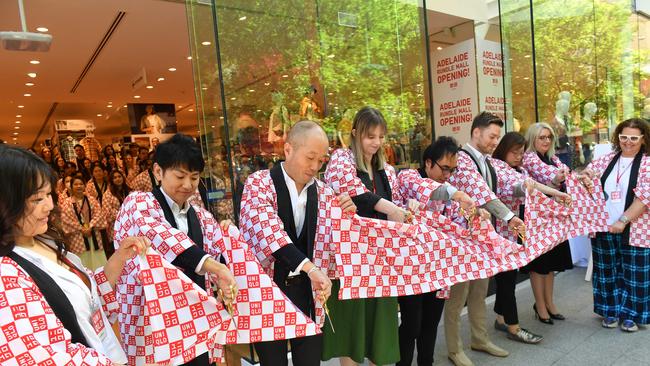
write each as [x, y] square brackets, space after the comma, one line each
[19, 115]
[99, 114]
[354, 92]
[242, 18]
[206, 43]
[212, 126]
[31, 75]
[204, 88]
[251, 90]
[527, 56]
[190, 110]
[27, 95]
[15, 133]
[161, 79]
[17, 127]
[29, 84]
[259, 110]
[330, 56]
[330, 93]
[34, 62]
[109, 106]
[14, 138]
[21, 106]
[17, 122]
[136, 96]
[172, 69]
[267, 83]
[189, 57]
[233, 98]
[42, 29]
[149, 86]
[285, 76]
[221, 117]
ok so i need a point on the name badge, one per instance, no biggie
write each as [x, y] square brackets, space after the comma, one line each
[616, 197]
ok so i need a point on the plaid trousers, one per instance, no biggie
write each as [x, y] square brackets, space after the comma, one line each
[621, 279]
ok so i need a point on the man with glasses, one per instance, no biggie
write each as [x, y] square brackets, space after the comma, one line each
[420, 314]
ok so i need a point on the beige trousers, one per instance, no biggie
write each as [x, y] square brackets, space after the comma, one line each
[474, 292]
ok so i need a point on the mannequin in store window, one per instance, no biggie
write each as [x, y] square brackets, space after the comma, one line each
[561, 126]
[587, 125]
[279, 122]
[151, 123]
[309, 108]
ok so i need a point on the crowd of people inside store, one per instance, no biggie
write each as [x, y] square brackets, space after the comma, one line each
[112, 256]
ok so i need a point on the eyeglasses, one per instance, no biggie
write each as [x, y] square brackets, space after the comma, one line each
[633, 138]
[446, 169]
[545, 138]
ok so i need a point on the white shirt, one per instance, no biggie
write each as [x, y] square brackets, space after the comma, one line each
[616, 209]
[299, 208]
[82, 299]
[180, 216]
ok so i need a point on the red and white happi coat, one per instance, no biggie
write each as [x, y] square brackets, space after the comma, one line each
[508, 178]
[262, 312]
[72, 227]
[539, 170]
[639, 228]
[31, 332]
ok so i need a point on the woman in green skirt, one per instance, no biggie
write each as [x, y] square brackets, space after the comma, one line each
[365, 328]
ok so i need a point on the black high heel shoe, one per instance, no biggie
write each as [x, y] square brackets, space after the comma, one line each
[557, 316]
[548, 321]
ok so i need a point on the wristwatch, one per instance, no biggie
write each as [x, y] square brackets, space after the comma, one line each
[624, 219]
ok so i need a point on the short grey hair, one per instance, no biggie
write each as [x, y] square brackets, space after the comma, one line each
[533, 133]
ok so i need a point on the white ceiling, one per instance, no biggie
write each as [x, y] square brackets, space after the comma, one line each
[152, 35]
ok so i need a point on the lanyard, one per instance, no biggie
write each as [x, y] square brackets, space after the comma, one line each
[620, 175]
[79, 214]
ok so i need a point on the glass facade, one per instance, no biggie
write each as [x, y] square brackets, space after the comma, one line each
[261, 66]
[577, 65]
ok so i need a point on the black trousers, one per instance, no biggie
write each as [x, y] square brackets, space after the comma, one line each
[305, 351]
[420, 316]
[505, 303]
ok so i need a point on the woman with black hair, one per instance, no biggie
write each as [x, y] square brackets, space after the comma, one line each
[98, 184]
[82, 218]
[113, 198]
[508, 158]
[40, 280]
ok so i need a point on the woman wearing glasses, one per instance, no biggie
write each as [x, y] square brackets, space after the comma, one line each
[508, 158]
[622, 255]
[544, 167]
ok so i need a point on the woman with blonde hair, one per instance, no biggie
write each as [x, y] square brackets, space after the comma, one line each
[365, 328]
[544, 167]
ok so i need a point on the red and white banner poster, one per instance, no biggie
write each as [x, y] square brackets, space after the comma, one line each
[490, 77]
[454, 90]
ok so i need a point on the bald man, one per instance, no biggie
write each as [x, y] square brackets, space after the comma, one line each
[279, 220]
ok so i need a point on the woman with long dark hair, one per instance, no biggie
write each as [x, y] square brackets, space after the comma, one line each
[508, 157]
[40, 280]
[113, 198]
[82, 219]
[98, 184]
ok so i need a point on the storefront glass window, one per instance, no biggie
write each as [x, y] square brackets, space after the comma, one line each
[284, 61]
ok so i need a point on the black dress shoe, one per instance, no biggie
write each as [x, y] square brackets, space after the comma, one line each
[557, 316]
[548, 321]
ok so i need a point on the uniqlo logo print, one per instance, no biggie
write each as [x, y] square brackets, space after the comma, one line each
[267, 293]
[176, 348]
[188, 329]
[256, 308]
[197, 310]
[39, 323]
[162, 289]
[239, 269]
[25, 359]
[279, 333]
[256, 335]
[159, 338]
[5, 352]
[19, 311]
[170, 318]
[180, 300]
[253, 281]
[153, 307]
